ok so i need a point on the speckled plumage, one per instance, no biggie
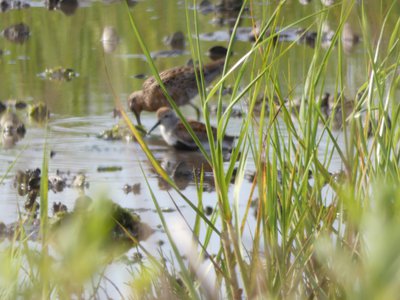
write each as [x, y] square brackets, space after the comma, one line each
[180, 83]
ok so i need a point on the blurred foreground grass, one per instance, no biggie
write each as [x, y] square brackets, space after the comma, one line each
[317, 234]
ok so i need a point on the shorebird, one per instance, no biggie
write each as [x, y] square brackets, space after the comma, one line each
[336, 107]
[175, 134]
[180, 83]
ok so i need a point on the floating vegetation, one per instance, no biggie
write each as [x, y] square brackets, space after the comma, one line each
[117, 133]
[119, 224]
[140, 76]
[29, 180]
[26, 181]
[59, 209]
[27, 184]
[57, 183]
[59, 74]
[38, 112]
[79, 181]
[115, 224]
[31, 205]
[109, 169]
[168, 209]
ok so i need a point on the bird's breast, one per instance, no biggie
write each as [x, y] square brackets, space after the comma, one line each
[168, 135]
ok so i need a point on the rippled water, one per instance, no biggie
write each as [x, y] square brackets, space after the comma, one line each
[82, 108]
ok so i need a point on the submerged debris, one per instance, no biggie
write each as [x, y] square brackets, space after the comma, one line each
[127, 188]
[29, 180]
[18, 33]
[26, 181]
[31, 205]
[137, 257]
[59, 209]
[134, 188]
[57, 183]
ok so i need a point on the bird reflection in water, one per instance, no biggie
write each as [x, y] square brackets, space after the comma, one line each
[185, 169]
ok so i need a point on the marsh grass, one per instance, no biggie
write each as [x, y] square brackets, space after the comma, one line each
[331, 236]
[302, 226]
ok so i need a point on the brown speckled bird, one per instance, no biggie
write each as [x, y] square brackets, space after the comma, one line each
[180, 83]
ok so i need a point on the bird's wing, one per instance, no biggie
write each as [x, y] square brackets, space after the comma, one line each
[165, 76]
[212, 70]
[198, 128]
[183, 136]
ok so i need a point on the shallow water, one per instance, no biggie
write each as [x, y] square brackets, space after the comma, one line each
[82, 108]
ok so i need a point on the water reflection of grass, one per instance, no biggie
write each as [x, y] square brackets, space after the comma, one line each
[324, 237]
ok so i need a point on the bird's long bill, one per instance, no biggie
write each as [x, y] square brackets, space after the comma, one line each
[154, 127]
